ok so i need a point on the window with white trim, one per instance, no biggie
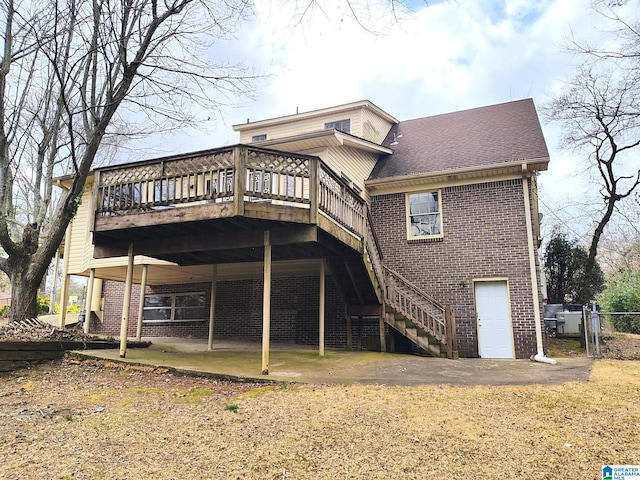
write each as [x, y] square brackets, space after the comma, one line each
[342, 125]
[424, 215]
[175, 307]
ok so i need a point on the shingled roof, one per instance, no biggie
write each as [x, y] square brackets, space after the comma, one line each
[483, 136]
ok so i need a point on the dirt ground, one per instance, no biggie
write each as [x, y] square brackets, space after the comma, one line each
[620, 346]
[73, 419]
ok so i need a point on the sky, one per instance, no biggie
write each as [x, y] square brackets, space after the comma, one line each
[439, 57]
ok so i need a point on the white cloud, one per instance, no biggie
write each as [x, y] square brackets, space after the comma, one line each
[444, 57]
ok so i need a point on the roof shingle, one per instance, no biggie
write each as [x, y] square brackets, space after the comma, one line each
[483, 136]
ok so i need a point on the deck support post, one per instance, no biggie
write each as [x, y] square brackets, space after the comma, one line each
[52, 296]
[392, 341]
[239, 180]
[349, 330]
[143, 287]
[383, 332]
[212, 306]
[266, 304]
[124, 325]
[321, 309]
[88, 298]
[64, 288]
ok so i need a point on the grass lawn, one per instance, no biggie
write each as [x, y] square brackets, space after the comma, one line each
[105, 421]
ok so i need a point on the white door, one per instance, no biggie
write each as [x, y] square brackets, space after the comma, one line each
[494, 320]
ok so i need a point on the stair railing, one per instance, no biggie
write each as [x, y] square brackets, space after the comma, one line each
[408, 300]
[373, 253]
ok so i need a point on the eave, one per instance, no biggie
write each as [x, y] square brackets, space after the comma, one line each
[322, 139]
[65, 182]
[466, 175]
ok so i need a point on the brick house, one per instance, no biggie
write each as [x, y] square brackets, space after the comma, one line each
[340, 227]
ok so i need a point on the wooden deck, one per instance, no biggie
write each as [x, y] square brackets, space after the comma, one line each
[221, 201]
[216, 207]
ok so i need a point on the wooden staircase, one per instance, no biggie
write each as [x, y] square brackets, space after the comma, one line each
[420, 318]
[365, 281]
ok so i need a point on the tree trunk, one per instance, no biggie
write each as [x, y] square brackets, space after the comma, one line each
[24, 293]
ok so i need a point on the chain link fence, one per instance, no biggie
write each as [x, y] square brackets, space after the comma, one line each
[592, 328]
[626, 322]
[595, 323]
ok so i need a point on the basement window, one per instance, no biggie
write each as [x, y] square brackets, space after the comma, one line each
[424, 215]
[175, 307]
[342, 125]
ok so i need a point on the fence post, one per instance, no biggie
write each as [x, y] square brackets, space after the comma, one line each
[585, 327]
[595, 316]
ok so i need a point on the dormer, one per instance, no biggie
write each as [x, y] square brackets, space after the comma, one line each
[360, 119]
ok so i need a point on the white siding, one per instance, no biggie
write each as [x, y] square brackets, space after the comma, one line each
[374, 128]
[355, 164]
[365, 122]
[80, 241]
[302, 126]
[297, 127]
[81, 251]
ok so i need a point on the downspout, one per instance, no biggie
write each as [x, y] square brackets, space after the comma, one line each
[538, 357]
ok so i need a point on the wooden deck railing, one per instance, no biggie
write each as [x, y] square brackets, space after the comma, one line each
[216, 175]
[340, 202]
[233, 174]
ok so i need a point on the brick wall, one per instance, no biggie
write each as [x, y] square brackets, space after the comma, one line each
[294, 312]
[484, 236]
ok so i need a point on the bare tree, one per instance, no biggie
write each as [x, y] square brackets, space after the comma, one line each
[599, 110]
[624, 29]
[78, 76]
[68, 70]
[620, 244]
[373, 17]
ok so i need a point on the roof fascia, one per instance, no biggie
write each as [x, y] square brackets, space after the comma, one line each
[332, 138]
[66, 181]
[466, 175]
[360, 143]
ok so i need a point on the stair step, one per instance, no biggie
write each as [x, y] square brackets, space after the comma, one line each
[422, 339]
[423, 343]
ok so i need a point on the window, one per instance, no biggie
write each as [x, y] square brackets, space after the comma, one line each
[259, 138]
[424, 215]
[342, 125]
[175, 307]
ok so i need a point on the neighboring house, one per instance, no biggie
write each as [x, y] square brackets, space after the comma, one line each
[341, 227]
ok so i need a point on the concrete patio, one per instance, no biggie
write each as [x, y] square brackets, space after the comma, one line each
[297, 363]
